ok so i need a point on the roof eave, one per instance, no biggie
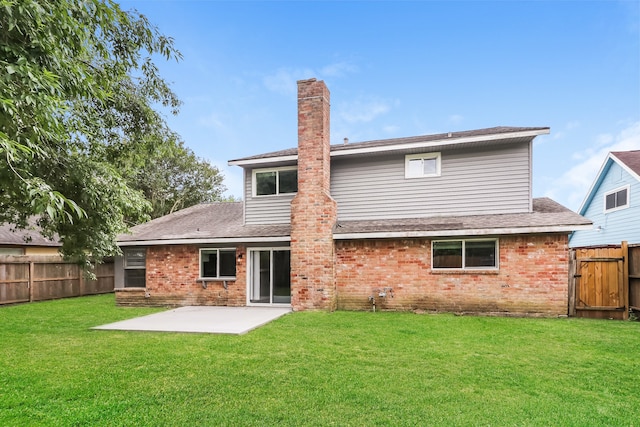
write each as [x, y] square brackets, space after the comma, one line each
[255, 162]
[368, 235]
[399, 147]
[463, 232]
[595, 184]
[443, 141]
[207, 241]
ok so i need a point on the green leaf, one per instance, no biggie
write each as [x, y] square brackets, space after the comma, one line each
[76, 113]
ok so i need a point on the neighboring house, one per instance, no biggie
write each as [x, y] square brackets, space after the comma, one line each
[439, 222]
[25, 242]
[612, 203]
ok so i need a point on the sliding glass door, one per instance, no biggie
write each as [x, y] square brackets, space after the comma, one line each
[270, 276]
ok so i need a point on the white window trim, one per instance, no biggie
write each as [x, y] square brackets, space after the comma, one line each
[617, 208]
[250, 274]
[277, 170]
[464, 267]
[134, 267]
[223, 278]
[409, 157]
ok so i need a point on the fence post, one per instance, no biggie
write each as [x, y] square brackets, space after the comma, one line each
[624, 246]
[81, 280]
[572, 283]
[32, 271]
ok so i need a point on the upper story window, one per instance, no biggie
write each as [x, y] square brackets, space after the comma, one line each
[271, 182]
[422, 165]
[616, 199]
[217, 263]
[465, 254]
[135, 267]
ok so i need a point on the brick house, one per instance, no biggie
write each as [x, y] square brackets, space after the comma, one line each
[439, 223]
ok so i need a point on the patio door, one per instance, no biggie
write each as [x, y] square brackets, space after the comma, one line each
[270, 276]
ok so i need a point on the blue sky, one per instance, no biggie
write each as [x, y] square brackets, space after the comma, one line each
[406, 68]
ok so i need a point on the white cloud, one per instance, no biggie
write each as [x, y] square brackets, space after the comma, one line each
[213, 121]
[339, 69]
[576, 181]
[568, 127]
[455, 119]
[390, 129]
[284, 80]
[362, 110]
[572, 125]
[604, 139]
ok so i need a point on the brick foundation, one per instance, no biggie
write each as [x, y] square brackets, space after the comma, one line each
[172, 273]
[532, 279]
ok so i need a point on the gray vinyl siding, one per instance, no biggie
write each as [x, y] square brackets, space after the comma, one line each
[472, 182]
[118, 272]
[265, 209]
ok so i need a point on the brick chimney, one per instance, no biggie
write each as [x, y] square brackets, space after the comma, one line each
[313, 211]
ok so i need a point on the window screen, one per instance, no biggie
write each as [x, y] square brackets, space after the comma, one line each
[472, 254]
[616, 199]
[217, 263]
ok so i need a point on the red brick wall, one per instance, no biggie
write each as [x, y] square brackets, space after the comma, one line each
[172, 273]
[313, 211]
[532, 279]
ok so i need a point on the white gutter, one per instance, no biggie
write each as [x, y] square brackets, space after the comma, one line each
[400, 147]
[205, 241]
[469, 232]
[372, 235]
[439, 142]
[250, 162]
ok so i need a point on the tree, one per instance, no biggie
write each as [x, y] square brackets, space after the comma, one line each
[77, 88]
[173, 178]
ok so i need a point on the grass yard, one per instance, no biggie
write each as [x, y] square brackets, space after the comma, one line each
[343, 368]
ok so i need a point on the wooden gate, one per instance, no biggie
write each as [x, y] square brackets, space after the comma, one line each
[634, 277]
[600, 282]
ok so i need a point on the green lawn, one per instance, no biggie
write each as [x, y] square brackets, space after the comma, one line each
[342, 368]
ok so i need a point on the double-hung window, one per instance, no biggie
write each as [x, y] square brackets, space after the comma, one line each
[422, 165]
[472, 254]
[616, 199]
[218, 264]
[135, 267]
[272, 182]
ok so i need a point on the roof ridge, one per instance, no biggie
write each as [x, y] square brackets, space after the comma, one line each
[391, 142]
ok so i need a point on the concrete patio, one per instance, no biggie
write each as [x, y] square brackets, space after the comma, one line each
[209, 320]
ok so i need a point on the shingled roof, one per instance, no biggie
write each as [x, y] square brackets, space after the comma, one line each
[24, 237]
[449, 137]
[547, 216]
[222, 222]
[202, 223]
[629, 158]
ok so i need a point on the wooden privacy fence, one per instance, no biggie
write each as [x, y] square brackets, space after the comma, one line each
[604, 282]
[27, 279]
